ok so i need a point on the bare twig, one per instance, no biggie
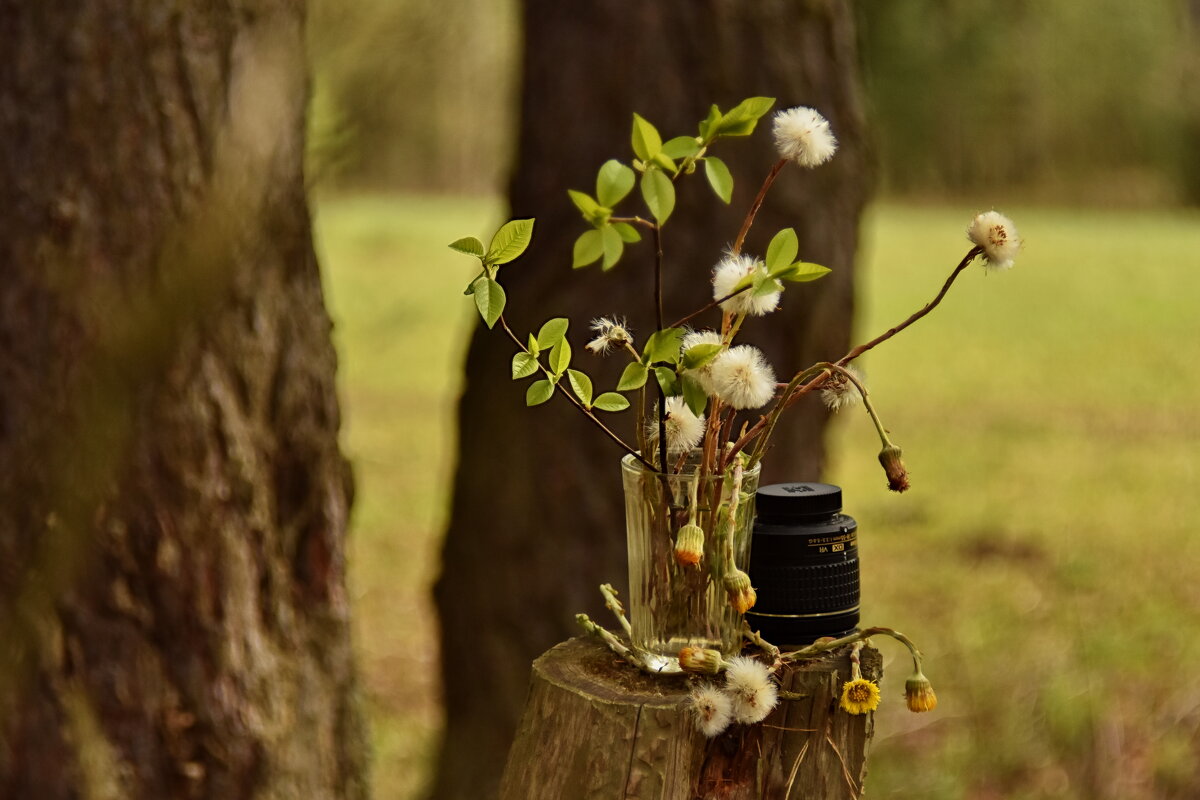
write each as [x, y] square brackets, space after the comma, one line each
[756, 205]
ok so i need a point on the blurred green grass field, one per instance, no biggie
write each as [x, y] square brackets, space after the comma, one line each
[1047, 559]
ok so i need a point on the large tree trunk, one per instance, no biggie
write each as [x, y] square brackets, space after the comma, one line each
[173, 503]
[537, 518]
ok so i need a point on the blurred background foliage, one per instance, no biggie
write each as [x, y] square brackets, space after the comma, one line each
[1051, 100]
[1046, 556]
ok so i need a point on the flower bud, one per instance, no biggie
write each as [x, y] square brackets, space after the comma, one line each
[918, 693]
[741, 594]
[689, 545]
[700, 660]
[897, 475]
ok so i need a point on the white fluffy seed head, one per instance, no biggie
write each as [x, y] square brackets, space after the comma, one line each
[703, 375]
[742, 377]
[728, 273]
[610, 333]
[802, 135]
[713, 709]
[997, 235]
[684, 429]
[839, 392]
[749, 685]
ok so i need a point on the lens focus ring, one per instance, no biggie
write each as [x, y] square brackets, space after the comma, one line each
[806, 588]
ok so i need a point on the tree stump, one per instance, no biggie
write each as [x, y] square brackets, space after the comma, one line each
[595, 727]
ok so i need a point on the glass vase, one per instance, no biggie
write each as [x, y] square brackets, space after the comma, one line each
[673, 605]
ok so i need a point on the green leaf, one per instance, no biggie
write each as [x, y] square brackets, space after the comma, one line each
[510, 241]
[693, 395]
[802, 272]
[489, 299]
[764, 284]
[468, 245]
[614, 181]
[627, 232]
[659, 194]
[698, 355]
[552, 332]
[560, 357]
[588, 247]
[742, 119]
[664, 162]
[667, 380]
[681, 147]
[719, 178]
[781, 252]
[523, 365]
[613, 246]
[611, 401]
[471, 286]
[587, 206]
[709, 125]
[582, 386]
[533, 346]
[539, 392]
[646, 141]
[634, 377]
[663, 346]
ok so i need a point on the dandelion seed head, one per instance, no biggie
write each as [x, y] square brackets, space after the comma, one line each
[742, 377]
[703, 375]
[749, 684]
[712, 708]
[684, 429]
[998, 237]
[839, 392]
[728, 273]
[610, 333]
[802, 135]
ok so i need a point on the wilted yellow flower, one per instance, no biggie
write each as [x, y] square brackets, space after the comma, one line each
[741, 594]
[859, 696]
[918, 693]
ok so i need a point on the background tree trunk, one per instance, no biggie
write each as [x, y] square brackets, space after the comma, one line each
[173, 502]
[537, 518]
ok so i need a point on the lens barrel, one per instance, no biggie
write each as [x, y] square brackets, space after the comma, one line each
[803, 564]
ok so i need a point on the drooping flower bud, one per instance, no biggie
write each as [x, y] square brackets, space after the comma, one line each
[918, 693]
[689, 545]
[741, 594]
[700, 660]
[897, 475]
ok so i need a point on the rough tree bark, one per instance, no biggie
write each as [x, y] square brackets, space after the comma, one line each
[537, 518]
[173, 503]
[595, 728]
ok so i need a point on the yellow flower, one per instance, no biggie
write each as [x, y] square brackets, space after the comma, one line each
[918, 694]
[859, 696]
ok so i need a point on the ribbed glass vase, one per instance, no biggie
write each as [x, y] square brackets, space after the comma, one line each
[673, 605]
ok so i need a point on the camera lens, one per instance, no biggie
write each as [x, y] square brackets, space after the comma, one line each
[803, 564]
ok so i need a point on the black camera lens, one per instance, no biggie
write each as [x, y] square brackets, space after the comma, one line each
[803, 564]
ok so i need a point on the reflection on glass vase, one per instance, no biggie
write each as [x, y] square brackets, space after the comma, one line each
[673, 604]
